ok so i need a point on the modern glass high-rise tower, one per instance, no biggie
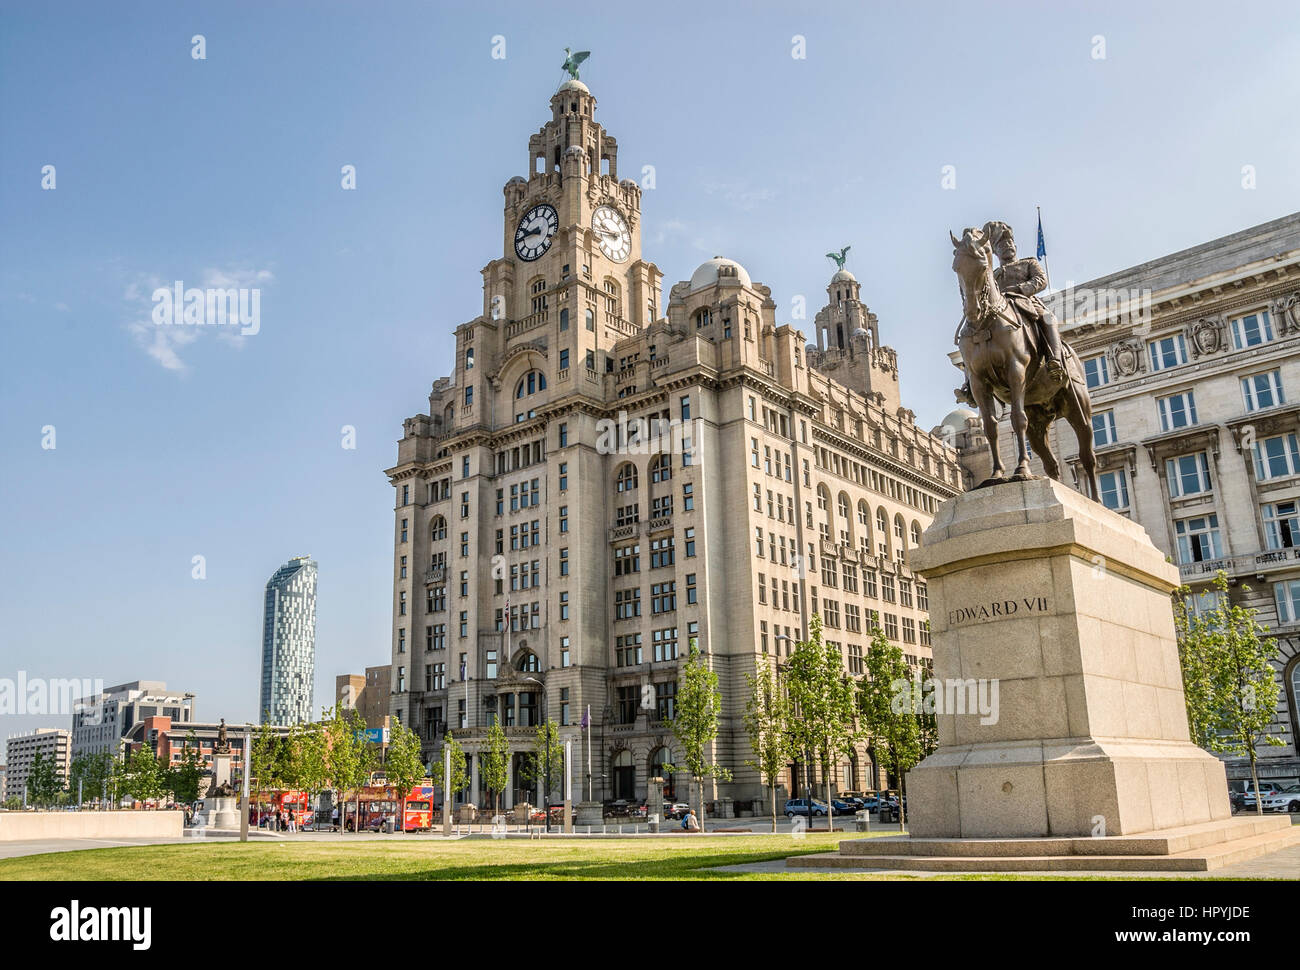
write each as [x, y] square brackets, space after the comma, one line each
[289, 643]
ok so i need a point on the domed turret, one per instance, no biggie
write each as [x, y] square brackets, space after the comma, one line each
[719, 270]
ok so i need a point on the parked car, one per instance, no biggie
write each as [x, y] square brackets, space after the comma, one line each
[1266, 788]
[1283, 800]
[615, 808]
[676, 810]
[852, 797]
[841, 807]
[801, 806]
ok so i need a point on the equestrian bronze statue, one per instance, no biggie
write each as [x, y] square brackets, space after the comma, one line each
[1012, 352]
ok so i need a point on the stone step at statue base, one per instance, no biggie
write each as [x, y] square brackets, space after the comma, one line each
[1192, 848]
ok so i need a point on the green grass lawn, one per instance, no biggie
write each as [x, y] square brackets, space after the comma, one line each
[507, 859]
[685, 858]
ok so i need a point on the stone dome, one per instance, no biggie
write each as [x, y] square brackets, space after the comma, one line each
[843, 276]
[575, 150]
[957, 418]
[716, 269]
[573, 84]
[860, 332]
[810, 348]
[517, 180]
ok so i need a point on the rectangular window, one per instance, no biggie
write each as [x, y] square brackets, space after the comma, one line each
[564, 354]
[891, 626]
[909, 630]
[564, 435]
[1281, 525]
[401, 640]
[1096, 371]
[869, 583]
[685, 402]
[1114, 490]
[1198, 539]
[1187, 475]
[627, 650]
[1177, 411]
[1276, 457]
[627, 604]
[469, 395]
[690, 588]
[663, 597]
[1103, 428]
[564, 518]
[1262, 390]
[665, 644]
[1288, 600]
[922, 597]
[887, 588]
[1168, 352]
[564, 652]
[1252, 330]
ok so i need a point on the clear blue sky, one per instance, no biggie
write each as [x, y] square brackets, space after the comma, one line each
[228, 168]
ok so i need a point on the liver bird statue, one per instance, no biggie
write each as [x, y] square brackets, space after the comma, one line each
[571, 61]
[839, 257]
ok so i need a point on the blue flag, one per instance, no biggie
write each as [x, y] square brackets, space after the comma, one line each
[1042, 245]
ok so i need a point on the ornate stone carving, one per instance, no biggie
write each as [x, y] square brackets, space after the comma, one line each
[1206, 336]
[1286, 311]
[1127, 357]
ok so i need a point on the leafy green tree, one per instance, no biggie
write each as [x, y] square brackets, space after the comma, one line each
[313, 769]
[145, 777]
[767, 721]
[889, 710]
[695, 722]
[548, 753]
[44, 786]
[90, 773]
[496, 762]
[822, 699]
[402, 766]
[351, 756]
[185, 779]
[264, 762]
[459, 779]
[1229, 679]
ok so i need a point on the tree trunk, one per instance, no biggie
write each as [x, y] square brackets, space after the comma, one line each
[1254, 780]
[830, 806]
[772, 787]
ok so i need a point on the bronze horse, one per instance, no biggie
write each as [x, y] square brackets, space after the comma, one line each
[1001, 354]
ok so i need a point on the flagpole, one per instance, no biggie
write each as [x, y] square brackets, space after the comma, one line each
[1042, 247]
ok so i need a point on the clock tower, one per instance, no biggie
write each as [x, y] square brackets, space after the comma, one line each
[571, 267]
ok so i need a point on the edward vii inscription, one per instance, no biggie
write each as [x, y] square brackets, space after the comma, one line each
[998, 610]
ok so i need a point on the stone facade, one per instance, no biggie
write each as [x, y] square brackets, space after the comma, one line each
[21, 750]
[601, 480]
[1193, 363]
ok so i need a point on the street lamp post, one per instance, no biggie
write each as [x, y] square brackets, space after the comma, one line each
[546, 728]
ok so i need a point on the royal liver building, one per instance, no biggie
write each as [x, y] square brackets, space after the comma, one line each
[602, 478]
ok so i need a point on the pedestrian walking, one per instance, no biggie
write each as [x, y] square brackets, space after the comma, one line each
[334, 819]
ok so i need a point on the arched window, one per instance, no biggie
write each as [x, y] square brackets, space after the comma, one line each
[843, 504]
[864, 513]
[624, 774]
[626, 480]
[898, 527]
[916, 534]
[527, 662]
[823, 497]
[661, 468]
[438, 529]
[882, 521]
[530, 383]
[659, 758]
[469, 358]
[703, 319]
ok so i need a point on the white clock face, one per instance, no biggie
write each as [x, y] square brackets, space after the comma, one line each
[535, 232]
[612, 233]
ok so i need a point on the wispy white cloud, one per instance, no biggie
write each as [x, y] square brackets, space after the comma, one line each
[164, 343]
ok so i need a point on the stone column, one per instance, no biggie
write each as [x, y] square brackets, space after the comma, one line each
[1063, 710]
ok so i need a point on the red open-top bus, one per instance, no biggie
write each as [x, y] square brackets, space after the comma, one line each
[266, 805]
[380, 803]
